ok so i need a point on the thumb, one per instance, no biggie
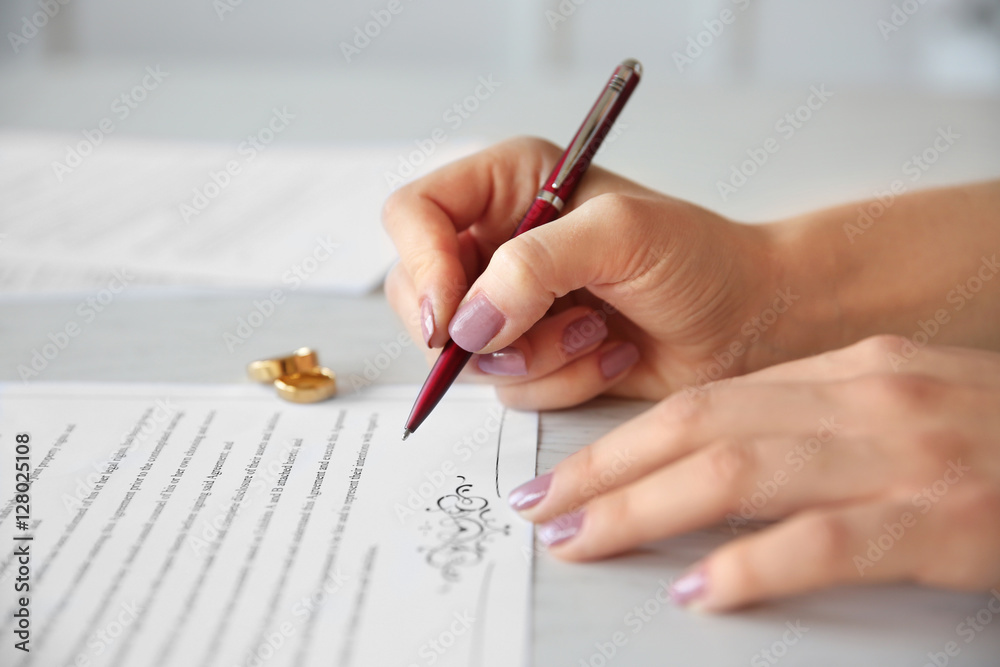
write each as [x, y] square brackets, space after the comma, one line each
[606, 240]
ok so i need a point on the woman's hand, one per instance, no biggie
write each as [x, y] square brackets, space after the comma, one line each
[630, 292]
[878, 462]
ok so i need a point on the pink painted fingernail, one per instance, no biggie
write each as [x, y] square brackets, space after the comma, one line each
[582, 333]
[530, 493]
[426, 320]
[690, 587]
[561, 528]
[476, 323]
[508, 361]
[618, 359]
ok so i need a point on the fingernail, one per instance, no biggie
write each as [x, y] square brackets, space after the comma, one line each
[476, 323]
[690, 587]
[426, 320]
[582, 333]
[508, 361]
[618, 359]
[530, 493]
[561, 528]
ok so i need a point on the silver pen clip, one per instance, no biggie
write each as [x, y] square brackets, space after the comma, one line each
[587, 134]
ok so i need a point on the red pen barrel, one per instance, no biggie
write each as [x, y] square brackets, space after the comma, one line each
[453, 358]
[445, 370]
[541, 212]
[546, 207]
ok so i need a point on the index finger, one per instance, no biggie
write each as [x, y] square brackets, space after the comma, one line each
[469, 206]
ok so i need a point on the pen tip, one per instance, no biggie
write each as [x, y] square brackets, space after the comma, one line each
[406, 433]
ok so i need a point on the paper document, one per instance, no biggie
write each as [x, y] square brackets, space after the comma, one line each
[77, 215]
[201, 525]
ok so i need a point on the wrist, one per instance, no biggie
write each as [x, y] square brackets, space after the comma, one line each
[799, 313]
[890, 276]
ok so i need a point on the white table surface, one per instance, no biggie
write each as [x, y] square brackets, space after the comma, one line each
[678, 140]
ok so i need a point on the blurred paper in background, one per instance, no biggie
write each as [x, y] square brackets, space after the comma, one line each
[174, 213]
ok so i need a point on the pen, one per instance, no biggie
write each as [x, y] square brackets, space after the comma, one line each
[548, 203]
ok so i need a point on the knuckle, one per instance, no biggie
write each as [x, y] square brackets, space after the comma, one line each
[520, 260]
[423, 264]
[933, 448]
[509, 261]
[584, 468]
[829, 539]
[614, 205]
[452, 288]
[641, 247]
[739, 558]
[730, 462]
[968, 520]
[984, 502]
[512, 255]
[899, 393]
[393, 207]
[877, 349]
[973, 508]
[528, 143]
[395, 283]
[595, 474]
[684, 411]
[616, 509]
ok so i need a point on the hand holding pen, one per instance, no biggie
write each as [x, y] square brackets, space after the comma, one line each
[634, 293]
[561, 314]
[547, 205]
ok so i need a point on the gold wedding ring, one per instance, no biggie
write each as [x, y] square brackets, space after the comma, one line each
[297, 378]
[316, 385]
[303, 360]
